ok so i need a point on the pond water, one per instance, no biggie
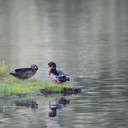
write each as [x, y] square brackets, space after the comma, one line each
[88, 39]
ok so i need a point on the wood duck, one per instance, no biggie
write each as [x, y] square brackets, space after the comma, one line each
[55, 75]
[25, 73]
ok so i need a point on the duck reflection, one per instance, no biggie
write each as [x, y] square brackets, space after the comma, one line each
[58, 103]
[27, 103]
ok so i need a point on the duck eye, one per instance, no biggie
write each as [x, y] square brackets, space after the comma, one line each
[49, 65]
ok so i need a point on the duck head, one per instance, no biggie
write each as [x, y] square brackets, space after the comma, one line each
[52, 65]
[34, 67]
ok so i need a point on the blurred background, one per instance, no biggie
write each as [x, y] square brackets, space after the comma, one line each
[88, 39]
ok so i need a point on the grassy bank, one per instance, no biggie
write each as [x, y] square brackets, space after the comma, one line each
[12, 86]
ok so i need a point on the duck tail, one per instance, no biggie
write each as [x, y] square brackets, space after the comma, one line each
[12, 73]
[68, 79]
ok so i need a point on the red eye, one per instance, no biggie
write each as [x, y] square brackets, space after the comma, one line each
[49, 65]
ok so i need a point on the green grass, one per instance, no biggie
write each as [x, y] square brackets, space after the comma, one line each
[12, 86]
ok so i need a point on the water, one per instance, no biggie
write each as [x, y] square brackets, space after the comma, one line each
[88, 40]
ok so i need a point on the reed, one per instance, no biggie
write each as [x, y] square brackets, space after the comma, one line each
[12, 86]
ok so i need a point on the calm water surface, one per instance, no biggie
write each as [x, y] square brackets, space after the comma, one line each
[88, 39]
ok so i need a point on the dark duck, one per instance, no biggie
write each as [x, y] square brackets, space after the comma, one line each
[25, 73]
[55, 75]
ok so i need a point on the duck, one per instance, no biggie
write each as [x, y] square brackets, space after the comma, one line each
[25, 73]
[56, 75]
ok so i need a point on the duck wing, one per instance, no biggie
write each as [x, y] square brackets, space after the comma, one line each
[60, 74]
[22, 70]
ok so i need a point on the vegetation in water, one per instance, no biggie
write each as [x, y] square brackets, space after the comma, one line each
[12, 86]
